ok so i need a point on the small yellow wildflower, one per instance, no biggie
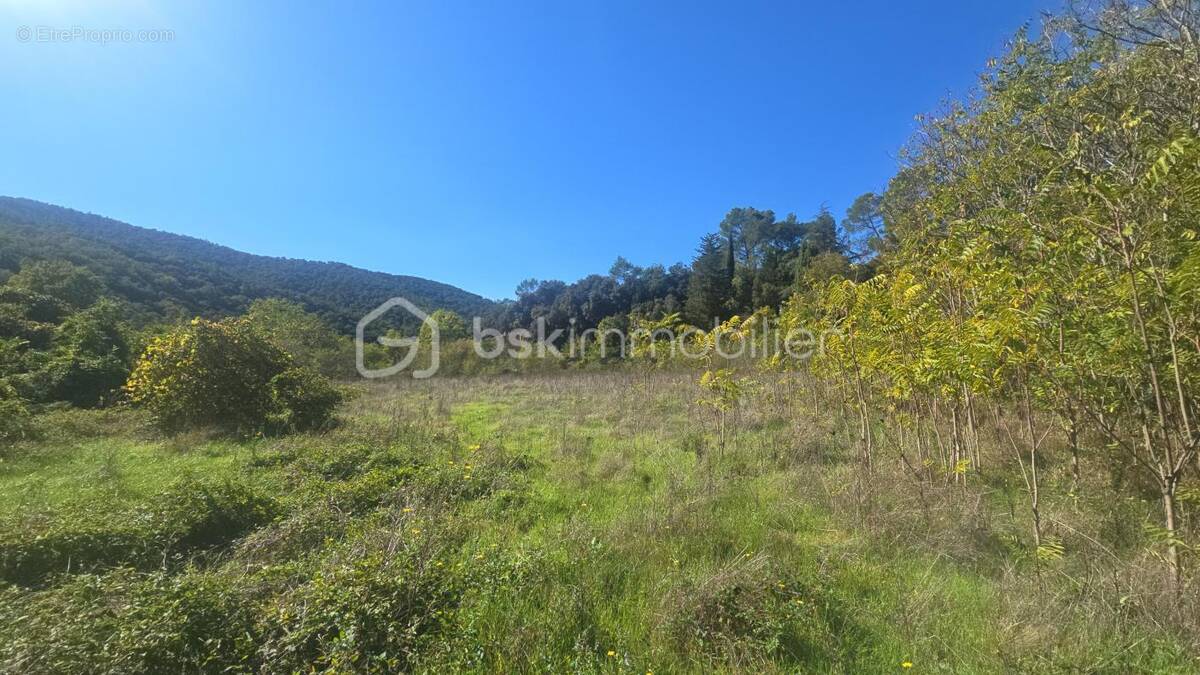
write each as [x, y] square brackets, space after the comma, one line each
[408, 509]
[906, 664]
[416, 530]
[611, 653]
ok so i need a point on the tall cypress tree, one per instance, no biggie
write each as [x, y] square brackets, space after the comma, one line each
[730, 263]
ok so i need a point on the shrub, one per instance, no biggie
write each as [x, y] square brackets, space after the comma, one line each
[91, 356]
[310, 341]
[15, 420]
[451, 327]
[745, 613]
[369, 608]
[301, 399]
[127, 622]
[226, 375]
[83, 380]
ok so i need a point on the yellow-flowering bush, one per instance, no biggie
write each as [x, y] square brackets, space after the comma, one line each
[223, 374]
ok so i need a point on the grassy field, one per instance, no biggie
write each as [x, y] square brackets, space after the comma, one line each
[582, 522]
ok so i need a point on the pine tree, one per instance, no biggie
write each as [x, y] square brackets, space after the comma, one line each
[821, 234]
[710, 287]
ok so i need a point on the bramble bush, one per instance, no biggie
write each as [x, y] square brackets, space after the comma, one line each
[225, 375]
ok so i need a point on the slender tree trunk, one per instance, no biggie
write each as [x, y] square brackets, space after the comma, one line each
[972, 427]
[1170, 461]
[864, 431]
[920, 440]
[864, 418]
[1034, 488]
[1073, 441]
[1168, 500]
[956, 445]
[937, 433]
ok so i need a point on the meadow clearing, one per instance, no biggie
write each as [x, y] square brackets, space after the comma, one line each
[895, 367]
[578, 522]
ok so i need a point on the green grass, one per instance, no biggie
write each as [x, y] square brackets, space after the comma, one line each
[108, 469]
[584, 524]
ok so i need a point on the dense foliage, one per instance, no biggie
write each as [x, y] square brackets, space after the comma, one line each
[14, 416]
[225, 375]
[59, 340]
[1045, 255]
[311, 342]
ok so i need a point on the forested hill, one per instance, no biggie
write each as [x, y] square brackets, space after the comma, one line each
[169, 276]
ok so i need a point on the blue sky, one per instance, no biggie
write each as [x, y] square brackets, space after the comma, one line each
[475, 143]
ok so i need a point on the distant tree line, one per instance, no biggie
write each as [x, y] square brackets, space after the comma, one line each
[752, 260]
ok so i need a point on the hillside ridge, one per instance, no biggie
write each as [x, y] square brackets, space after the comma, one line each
[165, 275]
